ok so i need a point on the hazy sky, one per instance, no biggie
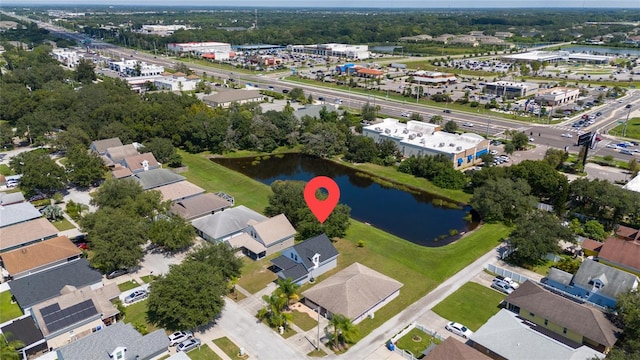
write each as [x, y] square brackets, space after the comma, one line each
[629, 4]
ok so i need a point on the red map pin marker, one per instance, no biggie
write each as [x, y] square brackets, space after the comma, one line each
[321, 208]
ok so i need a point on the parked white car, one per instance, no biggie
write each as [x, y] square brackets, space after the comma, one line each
[502, 286]
[459, 329]
[179, 336]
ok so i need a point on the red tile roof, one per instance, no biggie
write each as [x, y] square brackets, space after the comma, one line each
[623, 252]
[370, 72]
[589, 244]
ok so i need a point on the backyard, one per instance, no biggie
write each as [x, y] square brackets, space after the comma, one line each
[471, 305]
[136, 314]
[8, 310]
[416, 341]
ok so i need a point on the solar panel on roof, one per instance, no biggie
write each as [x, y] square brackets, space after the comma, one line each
[47, 310]
[60, 319]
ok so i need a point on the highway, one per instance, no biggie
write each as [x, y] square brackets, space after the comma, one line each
[481, 122]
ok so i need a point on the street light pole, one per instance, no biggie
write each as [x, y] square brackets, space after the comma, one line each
[624, 129]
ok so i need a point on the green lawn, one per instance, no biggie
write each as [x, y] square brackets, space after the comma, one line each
[5, 170]
[419, 268]
[148, 278]
[303, 320]
[63, 224]
[128, 285]
[633, 128]
[203, 353]
[471, 305]
[229, 347]
[8, 310]
[317, 353]
[137, 314]
[416, 341]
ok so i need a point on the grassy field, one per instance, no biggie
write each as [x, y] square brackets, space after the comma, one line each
[148, 278]
[416, 341]
[633, 129]
[304, 321]
[128, 285]
[63, 224]
[204, 352]
[419, 268]
[8, 310]
[137, 314]
[5, 170]
[471, 305]
[228, 346]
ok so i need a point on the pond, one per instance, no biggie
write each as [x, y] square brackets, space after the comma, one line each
[418, 217]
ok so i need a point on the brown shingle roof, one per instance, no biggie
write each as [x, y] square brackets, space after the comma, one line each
[623, 252]
[121, 152]
[135, 162]
[353, 290]
[584, 320]
[628, 232]
[199, 205]
[179, 190]
[274, 229]
[26, 232]
[101, 146]
[589, 244]
[39, 254]
[452, 349]
[120, 172]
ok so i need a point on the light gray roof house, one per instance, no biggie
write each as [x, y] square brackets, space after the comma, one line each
[36, 288]
[17, 213]
[507, 336]
[11, 198]
[226, 97]
[118, 338]
[614, 281]
[101, 146]
[200, 205]
[157, 177]
[227, 223]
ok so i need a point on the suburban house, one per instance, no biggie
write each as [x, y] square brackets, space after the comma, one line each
[622, 254]
[25, 330]
[627, 233]
[116, 155]
[260, 239]
[509, 336]
[36, 288]
[452, 349]
[356, 292]
[225, 98]
[157, 177]
[179, 191]
[563, 319]
[25, 233]
[141, 162]
[11, 198]
[76, 313]
[17, 213]
[100, 146]
[39, 256]
[118, 341]
[307, 259]
[119, 172]
[224, 225]
[591, 247]
[593, 282]
[200, 205]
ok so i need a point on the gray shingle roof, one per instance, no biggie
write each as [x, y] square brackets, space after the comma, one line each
[38, 287]
[24, 329]
[560, 276]
[229, 96]
[11, 198]
[199, 205]
[584, 320]
[290, 268]
[316, 245]
[100, 344]
[157, 177]
[506, 335]
[17, 213]
[228, 222]
[617, 281]
[101, 146]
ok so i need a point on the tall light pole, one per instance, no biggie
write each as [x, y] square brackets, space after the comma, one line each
[624, 129]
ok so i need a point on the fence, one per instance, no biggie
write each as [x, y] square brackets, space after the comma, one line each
[407, 354]
[508, 273]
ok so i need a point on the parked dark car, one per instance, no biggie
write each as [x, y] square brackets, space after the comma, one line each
[115, 273]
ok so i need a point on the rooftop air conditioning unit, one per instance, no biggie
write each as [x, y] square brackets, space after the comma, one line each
[452, 144]
[419, 134]
[387, 131]
[441, 144]
[459, 148]
[405, 131]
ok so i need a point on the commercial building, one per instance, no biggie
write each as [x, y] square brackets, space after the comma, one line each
[67, 57]
[417, 138]
[336, 50]
[557, 96]
[199, 48]
[162, 30]
[433, 77]
[510, 90]
[557, 56]
[136, 68]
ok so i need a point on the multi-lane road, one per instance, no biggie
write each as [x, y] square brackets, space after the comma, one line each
[485, 123]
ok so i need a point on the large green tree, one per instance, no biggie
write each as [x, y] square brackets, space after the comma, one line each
[9, 347]
[172, 232]
[84, 71]
[84, 168]
[117, 193]
[220, 258]
[163, 150]
[360, 149]
[503, 199]
[39, 172]
[628, 310]
[538, 233]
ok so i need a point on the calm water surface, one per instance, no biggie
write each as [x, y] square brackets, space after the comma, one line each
[417, 217]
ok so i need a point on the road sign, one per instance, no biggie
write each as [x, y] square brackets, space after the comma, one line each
[585, 138]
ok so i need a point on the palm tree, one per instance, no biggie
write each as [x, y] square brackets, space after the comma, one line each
[343, 330]
[9, 349]
[334, 324]
[289, 289]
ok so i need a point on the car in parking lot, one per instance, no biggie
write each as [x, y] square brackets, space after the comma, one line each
[188, 345]
[493, 152]
[502, 286]
[508, 280]
[566, 135]
[459, 329]
[626, 152]
[179, 336]
[531, 139]
[136, 296]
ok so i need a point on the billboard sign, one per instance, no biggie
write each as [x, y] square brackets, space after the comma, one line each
[585, 139]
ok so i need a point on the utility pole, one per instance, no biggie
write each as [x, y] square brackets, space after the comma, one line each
[624, 129]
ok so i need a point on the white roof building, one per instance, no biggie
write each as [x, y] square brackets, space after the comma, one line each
[339, 50]
[551, 56]
[199, 47]
[633, 184]
[68, 57]
[129, 67]
[416, 138]
[557, 95]
[433, 77]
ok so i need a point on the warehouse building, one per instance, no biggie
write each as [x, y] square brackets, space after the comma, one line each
[416, 138]
[510, 90]
[336, 50]
[199, 48]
